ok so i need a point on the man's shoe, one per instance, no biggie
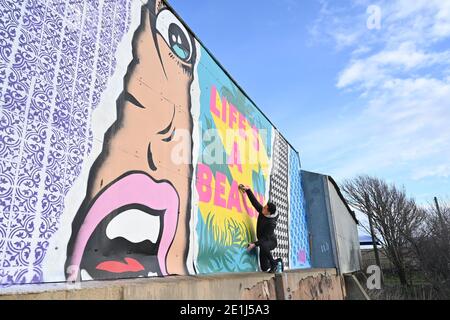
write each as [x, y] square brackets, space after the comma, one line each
[273, 269]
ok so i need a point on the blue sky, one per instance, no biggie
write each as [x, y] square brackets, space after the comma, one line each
[351, 97]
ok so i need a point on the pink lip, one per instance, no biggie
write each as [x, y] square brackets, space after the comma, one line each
[130, 265]
[135, 188]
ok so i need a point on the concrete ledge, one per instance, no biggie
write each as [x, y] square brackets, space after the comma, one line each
[203, 287]
[312, 284]
[317, 283]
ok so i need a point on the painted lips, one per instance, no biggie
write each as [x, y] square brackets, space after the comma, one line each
[132, 189]
[130, 265]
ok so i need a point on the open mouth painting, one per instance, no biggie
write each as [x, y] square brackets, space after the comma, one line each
[134, 233]
[134, 220]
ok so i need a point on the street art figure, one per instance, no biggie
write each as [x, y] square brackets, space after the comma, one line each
[133, 221]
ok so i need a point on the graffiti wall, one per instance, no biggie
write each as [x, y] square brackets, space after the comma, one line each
[122, 146]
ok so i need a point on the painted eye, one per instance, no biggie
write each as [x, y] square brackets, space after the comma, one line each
[175, 34]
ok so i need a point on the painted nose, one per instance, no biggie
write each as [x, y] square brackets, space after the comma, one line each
[166, 135]
[151, 162]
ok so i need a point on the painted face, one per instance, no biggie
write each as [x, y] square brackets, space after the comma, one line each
[135, 217]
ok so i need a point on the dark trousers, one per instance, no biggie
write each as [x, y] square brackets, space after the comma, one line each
[266, 259]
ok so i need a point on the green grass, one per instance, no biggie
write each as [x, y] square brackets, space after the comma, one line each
[414, 278]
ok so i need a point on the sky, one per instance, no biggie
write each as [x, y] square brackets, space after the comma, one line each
[356, 86]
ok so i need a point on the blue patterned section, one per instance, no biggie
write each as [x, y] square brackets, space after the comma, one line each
[56, 57]
[299, 251]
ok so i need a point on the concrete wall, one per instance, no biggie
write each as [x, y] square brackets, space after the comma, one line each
[312, 284]
[122, 145]
[345, 232]
[318, 217]
[325, 284]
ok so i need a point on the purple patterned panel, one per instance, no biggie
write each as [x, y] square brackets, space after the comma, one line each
[56, 57]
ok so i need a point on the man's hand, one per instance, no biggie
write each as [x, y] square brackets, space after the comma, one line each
[243, 188]
[250, 247]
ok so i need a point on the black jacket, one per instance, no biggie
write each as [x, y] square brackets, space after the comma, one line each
[265, 227]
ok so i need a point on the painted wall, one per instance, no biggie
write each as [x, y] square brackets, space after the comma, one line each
[318, 216]
[346, 233]
[299, 240]
[333, 229]
[122, 145]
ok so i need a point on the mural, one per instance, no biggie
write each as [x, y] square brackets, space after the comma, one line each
[122, 145]
[55, 61]
[299, 250]
[135, 182]
[235, 149]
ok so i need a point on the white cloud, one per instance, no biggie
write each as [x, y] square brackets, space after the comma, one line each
[402, 75]
[330, 26]
[360, 51]
[442, 170]
[380, 67]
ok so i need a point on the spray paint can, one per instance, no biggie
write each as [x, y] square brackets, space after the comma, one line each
[279, 266]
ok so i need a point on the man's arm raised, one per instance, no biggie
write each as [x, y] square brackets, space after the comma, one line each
[252, 198]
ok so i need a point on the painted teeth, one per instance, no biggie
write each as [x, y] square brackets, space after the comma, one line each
[85, 275]
[135, 226]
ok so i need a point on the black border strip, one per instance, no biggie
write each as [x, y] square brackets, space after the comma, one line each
[352, 213]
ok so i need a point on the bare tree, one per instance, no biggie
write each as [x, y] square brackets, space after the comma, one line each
[432, 247]
[395, 217]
